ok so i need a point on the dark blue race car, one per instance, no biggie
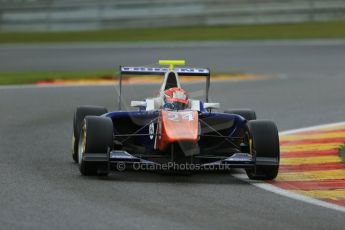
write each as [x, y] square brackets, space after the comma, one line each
[173, 132]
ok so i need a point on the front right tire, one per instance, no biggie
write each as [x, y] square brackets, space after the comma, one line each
[79, 115]
[96, 137]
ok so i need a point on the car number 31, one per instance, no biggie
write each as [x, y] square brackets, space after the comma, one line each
[179, 117]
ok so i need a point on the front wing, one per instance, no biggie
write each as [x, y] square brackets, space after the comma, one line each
[126, 160]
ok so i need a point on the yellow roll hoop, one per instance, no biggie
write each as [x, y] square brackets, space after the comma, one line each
[172, 63]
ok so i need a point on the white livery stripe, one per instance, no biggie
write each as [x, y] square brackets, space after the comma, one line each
[185, 70]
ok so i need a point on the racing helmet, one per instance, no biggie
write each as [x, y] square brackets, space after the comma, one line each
[175, 99]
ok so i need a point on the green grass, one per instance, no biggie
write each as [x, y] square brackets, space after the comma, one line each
[342, 153]
[240, 32]
[243, 32]
[7, 78]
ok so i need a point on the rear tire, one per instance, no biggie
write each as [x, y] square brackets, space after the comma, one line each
[96, 137]
[248, 114]
[265, 148]
[79, 115]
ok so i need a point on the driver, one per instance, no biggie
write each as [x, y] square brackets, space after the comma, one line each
[175, 99]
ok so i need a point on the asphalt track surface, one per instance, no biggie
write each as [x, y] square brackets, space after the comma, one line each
[41, 188]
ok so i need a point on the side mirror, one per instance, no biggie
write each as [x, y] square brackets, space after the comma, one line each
[211, 105]
[138, 103]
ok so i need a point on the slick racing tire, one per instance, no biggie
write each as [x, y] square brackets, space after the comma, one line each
[79, 115]
[96, 137]
[264, 146]
[247, 114]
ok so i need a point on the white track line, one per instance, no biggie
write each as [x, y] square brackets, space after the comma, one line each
[292, 195]
[286, 193]
[312, 128]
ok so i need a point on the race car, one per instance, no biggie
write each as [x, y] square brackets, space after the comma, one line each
[172, 131]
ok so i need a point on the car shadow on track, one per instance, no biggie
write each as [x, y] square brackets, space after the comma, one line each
[201, 177]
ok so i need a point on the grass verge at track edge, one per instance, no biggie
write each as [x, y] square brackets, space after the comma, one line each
[92, 76]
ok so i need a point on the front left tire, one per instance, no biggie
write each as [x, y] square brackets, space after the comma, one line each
[264, 146]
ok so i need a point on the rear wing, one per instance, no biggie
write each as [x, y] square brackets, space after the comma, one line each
[186, 71]
[161, 71]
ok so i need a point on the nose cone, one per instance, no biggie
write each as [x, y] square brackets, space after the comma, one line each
[178, 126]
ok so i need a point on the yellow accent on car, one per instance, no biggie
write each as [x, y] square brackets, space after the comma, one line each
[73, 140]
[251, 146]
[172, 63]
[84, 141]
